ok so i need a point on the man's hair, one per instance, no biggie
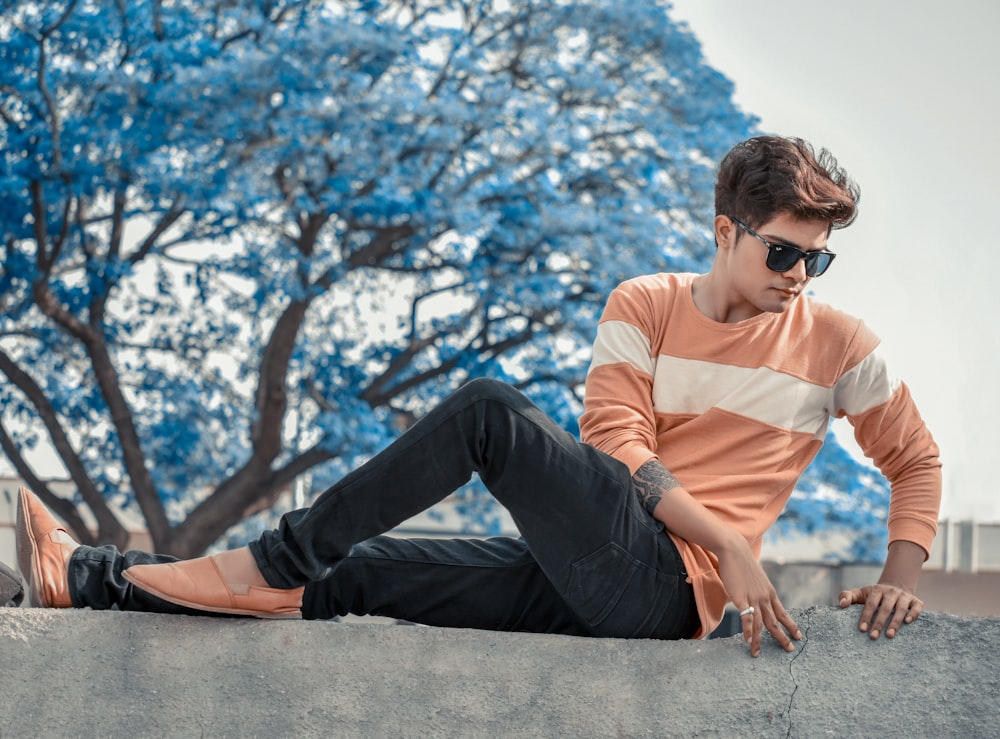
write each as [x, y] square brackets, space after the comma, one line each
[767, 176]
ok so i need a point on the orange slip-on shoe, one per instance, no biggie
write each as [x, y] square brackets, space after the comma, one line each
[43, 551]
[199, 584]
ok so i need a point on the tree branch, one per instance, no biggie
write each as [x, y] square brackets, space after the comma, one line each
[62, 507]
[299, 464]
[162, 226]
[43, 87]
[243, 489]
[135, 459]
[382, 245]
[40, 226]
[117, 224]
[109, 528]
[120, 412]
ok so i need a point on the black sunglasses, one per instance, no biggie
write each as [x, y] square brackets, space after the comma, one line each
[782, 257]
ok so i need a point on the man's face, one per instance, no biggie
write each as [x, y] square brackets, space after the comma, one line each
[753, 286]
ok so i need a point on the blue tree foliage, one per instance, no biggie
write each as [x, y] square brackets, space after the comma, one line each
[838, 495]
[247, 241]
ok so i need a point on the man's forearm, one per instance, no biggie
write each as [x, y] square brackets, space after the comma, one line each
[669, 503]
[745, 581]
[902, 565]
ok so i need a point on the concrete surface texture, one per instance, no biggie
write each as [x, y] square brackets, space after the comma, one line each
[113, 674]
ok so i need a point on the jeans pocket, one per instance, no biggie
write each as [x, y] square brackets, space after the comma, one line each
[598, 581]
[617, 595]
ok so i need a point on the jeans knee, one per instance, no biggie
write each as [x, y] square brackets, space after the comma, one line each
[486, 388]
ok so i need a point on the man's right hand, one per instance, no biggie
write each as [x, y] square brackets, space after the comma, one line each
[744, 579]
[752, 593]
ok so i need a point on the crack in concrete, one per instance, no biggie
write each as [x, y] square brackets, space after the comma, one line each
[791, 672]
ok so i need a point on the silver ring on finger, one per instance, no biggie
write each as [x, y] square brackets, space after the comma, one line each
[748, 611]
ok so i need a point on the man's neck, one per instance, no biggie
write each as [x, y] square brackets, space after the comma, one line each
[715, 301]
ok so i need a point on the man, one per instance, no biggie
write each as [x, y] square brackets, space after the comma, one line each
[707, 397]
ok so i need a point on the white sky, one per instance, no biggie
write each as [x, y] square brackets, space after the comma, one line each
[906, 96]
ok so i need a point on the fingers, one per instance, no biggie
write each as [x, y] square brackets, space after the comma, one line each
[895, 621]
[752, 626]
[780, 625]
[776, 620]
[755, 640]
[894, 610]
[852, 597]
[873, 601]
[753, 594]
[747, 616]
[885, 610]
[916, 609]
[790, 626]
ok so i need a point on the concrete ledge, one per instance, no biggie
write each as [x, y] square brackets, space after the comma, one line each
[86, 673]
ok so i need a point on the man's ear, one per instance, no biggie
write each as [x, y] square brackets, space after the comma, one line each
[725, 232]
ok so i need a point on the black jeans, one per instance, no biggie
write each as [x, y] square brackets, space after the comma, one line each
[590, 560]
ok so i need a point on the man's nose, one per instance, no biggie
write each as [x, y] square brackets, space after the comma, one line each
[798, 271]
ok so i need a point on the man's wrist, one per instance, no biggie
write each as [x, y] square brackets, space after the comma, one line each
[902, 565]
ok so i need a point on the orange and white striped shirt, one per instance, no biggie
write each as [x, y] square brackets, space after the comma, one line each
[737, 411]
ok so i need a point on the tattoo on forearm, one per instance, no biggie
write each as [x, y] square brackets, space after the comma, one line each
[652, 480]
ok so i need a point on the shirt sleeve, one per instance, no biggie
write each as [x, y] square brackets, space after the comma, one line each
[891, 432]
[618, 413]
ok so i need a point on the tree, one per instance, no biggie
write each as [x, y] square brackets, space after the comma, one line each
[246, 241]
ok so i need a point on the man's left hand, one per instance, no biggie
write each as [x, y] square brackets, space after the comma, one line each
[886, 608]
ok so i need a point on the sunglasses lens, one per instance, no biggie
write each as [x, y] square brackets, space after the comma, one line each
[816, 264]
[782, 258]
